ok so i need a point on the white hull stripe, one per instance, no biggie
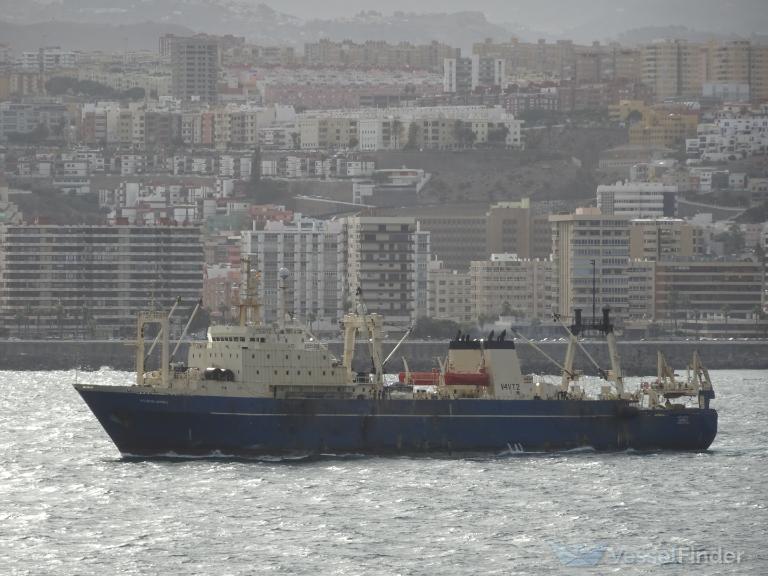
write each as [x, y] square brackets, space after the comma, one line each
[418, 415]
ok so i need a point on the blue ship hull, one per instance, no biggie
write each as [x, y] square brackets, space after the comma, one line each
[149, 424]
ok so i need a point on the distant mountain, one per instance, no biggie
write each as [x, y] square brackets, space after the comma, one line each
[458, 22]
[258, 22]
[458, 29]
[651, 33]
[87, 36]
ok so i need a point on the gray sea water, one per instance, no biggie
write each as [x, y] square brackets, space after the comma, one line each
[69, 505]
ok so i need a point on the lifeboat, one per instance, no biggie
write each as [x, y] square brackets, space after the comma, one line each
[467, 379]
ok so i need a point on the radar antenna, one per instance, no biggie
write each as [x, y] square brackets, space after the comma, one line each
[248, 299]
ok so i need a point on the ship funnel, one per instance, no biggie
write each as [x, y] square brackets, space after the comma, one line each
[607, 327]
[577, 324]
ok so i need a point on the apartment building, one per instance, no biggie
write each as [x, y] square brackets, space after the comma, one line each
[657, 239]
[313, 253]
[458, 75]
[47, 59]
[387, 260]
[450, 294]
[736, 133]
[457, 233]
[511, 286]
[326, 131]
[663, 128]
[708, 289]
[377, 54]
[739, 63]
[434, 127]
[195, 68]
[590, 251]
[514, 228]
[638, 199]
[66, 279]
[463, 75]
[674, 69]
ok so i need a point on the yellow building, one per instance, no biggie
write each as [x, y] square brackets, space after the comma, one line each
[620, 112]
[658, 239]
[508, 285]
[663, 128]
[450, 293]
[674, 69]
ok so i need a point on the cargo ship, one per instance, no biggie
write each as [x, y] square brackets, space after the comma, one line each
[255, 389]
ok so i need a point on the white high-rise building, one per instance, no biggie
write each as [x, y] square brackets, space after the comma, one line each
[313, 253]
[590, 251]
[638, 199]
[387, 260]
[95, 279]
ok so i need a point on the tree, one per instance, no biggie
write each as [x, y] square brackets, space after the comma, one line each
[36, 136]
[732, 239]
[224, 312]
[432, 328]
[674, 305]
[498, 135]
[726, 310]
[463, 133]
[60, 318]
[413, 137]
[760, 253]
[484, 319]
[634, 116]
[397, 128]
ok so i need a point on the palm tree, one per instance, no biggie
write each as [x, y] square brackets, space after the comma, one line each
[397, 128]
[60, 318]
[223, 309]
[726, 310]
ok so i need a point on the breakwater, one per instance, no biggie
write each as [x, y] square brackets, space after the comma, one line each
[637, 357]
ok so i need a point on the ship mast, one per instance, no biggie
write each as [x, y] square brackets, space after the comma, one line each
[248, 299]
